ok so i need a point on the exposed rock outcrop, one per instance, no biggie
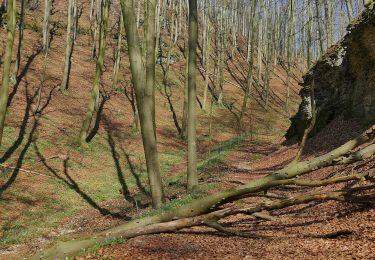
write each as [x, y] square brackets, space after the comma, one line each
[344, 79]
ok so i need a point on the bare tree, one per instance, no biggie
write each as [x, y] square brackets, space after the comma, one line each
[192, 176]
[143, 77]
[11, 30]
[116, 65]
[94, 100]
[72, 15]
[20, 41]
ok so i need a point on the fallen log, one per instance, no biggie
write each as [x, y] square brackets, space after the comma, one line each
[72, 248]
[360, 155]
[199, 210]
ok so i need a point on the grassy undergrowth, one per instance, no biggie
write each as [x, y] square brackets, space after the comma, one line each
[78, 186]
[109, 242]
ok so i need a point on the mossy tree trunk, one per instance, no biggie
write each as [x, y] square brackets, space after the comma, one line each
[5, 84]
[186, 96]
[95, 92]
[20, 41]
[116, 65]
[69, 45]
[46, 43]
[192, 175]
[143, 77]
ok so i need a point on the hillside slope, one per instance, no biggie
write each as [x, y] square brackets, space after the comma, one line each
[47, 178]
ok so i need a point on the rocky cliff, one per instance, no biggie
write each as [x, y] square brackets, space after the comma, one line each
[344, 79]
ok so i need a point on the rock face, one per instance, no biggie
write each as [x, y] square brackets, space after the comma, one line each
[344, 79]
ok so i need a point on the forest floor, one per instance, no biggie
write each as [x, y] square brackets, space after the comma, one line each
[329, 230]
[46, 178]
[51, 189]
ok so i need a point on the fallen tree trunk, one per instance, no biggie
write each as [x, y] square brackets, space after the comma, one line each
[200, 209]
[362, 154]
[211, 219]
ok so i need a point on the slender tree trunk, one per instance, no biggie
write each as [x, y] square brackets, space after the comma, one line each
[250, 74]
[165, 80]
[319, 25]
[260, 42]
[116, 65]
[75, 20]
[11, 30]
[138, 12]
[309, 33]
[159, 21]
[20, 41]
[192, 176]
[267, 52]
[290, 45]
[94, 100]
[207, 64]
[94, 31]
[221, 55]
[186, 93]
[144, 92]
[349, 8]
[69, 47]
[92, 20]
[46, 42]
[327, 24]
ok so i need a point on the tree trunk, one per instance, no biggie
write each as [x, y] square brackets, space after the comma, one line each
[11, 30]
[319, 25]
[349, 8]
[289, 47]
[250, 74]
[94, 100]
[186, 94]
[20, 41]
[69, 47]
[144, 94]
[192, 175]
[117, 63]
[46, 43]
[207, 63]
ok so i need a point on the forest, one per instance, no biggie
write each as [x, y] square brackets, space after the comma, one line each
[187, 129]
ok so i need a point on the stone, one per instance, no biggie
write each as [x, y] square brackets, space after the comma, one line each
[344, 79]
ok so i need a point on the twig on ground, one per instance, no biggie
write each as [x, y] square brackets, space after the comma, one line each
[26, 171]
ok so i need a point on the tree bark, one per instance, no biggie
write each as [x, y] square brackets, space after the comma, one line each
[250, 74]
[192, 175]
[117, 63]
[207, 58]
[94, 100]
[144, 95]
[46, 43]
[69, 46]
[11, 29]
[20, 41]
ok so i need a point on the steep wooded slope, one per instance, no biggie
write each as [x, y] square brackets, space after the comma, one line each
[50, 178]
